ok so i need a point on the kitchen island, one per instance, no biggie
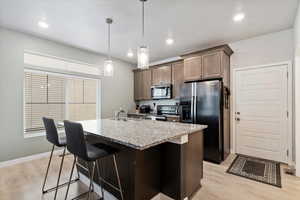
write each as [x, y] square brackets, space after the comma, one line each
[155, 157]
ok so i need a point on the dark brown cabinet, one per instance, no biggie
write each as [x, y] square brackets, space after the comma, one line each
[177, 78]
[142, 85]
[161, 75]
[192, 68]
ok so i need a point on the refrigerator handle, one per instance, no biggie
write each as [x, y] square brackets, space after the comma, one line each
[195, 102]
[192, 104]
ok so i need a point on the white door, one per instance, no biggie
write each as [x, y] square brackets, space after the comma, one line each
[261, 112]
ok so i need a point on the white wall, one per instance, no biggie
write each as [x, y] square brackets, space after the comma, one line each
[265, 49]
[116, 91]
[297, 89]
[261, 50]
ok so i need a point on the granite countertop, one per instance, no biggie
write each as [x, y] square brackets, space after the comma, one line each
[139, 134]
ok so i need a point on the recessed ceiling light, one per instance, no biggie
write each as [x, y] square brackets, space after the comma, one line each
[238, 17]
[169, 41]
[43, 24]
[130, 54]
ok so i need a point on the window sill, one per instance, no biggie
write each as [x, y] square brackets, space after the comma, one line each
[39, 134]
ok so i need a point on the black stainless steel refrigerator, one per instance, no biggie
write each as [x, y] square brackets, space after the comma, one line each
[202, 103]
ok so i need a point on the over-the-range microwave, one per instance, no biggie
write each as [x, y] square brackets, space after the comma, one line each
[161, 91]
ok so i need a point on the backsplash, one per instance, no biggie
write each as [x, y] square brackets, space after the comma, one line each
[158, 102]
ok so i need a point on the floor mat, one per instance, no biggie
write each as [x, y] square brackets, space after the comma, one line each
[264, 171]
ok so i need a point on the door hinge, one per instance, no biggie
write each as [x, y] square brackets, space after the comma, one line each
[287, 152]
[287, 114]
[287, 74]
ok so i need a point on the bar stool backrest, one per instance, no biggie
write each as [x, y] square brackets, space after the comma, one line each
[51, 131]
[75, 139]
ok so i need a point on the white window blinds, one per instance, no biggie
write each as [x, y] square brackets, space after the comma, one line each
[57, 96]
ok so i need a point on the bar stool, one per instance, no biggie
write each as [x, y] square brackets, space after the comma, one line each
[90, 154]
[53, 138]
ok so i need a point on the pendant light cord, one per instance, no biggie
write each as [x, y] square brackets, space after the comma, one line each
[108, 52]
[143, 21]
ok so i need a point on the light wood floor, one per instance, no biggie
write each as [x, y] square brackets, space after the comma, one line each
[218, 185]
[23, 182]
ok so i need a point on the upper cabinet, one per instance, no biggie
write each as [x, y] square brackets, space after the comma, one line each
[207, 64]
[137, 85]
[146, 84]
[192, 68]
[162, 75]
[142, 85]
[212, 65]
[177, 78]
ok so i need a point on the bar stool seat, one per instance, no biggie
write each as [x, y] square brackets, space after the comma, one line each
[95, 153]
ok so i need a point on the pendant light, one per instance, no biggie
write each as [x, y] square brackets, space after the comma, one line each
[108, 63]
[143, 51]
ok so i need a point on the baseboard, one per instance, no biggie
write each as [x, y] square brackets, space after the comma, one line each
[28, 158]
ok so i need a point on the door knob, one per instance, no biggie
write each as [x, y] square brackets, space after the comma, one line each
[237, 119]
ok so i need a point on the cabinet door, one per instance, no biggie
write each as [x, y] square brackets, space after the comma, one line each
[138, 87]
[211, 65]
[193, 68]
[161, 75]
[177, 78]
[146, 84]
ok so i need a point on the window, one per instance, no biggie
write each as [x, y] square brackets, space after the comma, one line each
[57, 96]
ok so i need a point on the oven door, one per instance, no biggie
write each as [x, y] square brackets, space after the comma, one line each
[161, 92]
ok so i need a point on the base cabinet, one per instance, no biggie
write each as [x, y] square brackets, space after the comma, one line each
[173, 169]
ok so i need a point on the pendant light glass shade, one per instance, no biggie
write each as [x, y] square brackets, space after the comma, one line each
[108, 68]
[143, 51]
[143, 57]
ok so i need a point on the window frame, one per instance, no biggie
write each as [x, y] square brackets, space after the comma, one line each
[59, 73]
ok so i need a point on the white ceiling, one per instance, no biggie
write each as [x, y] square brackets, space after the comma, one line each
[193, 24]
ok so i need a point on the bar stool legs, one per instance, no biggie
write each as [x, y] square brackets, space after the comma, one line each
[91, 173]
[91, 176]
[59, 175]
[102, 180]
[60, 169]
[91, 181]
[118, 177]
[47, 171]
[69, 183]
